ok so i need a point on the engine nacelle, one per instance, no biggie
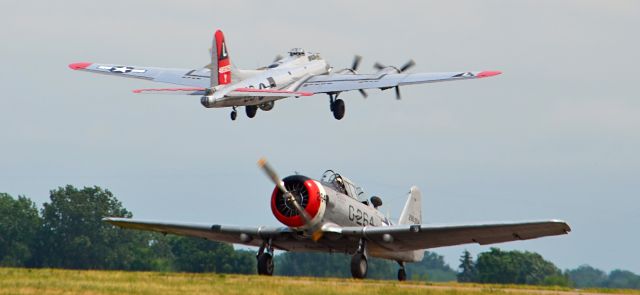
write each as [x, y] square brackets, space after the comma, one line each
[309, 194]
[388, 70]
[206, 101]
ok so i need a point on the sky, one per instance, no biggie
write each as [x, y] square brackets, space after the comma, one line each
[555, 136]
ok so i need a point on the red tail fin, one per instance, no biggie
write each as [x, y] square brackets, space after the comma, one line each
[220, 61]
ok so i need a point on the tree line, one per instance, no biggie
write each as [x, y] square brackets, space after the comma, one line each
[68, 232]
[516, 267]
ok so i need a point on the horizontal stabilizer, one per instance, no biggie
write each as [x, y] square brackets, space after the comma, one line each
[180, 91]
[252, 92]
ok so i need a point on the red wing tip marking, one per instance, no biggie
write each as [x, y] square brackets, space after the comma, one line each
[167, 89]
[485, 74]
[299, 93]
[79, 65]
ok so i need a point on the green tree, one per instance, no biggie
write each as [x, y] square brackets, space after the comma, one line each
[468, 272]
[623, 279]
[200, 255]
[586, 276]
[74, 236]
[515, 267]
[19, 224]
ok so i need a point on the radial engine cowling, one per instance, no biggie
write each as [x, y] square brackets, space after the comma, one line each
[309, 194]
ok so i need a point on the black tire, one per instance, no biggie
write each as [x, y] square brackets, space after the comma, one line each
[402, 275]
[251, 111]
[359, 266]
[338, 109]
[265, 264]
[234, 115]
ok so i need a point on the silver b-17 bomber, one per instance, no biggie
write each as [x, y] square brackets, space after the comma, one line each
[221, 84]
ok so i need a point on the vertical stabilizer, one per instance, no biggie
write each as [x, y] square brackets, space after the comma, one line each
[412, 212]
[220, 61]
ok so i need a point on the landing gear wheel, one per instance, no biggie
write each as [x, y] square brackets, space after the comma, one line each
[359, 266]
[338, 109]
[402, 275]
[251, 111]
[265, 264]
[234, 115]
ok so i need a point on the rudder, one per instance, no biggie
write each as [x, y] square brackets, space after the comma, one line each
[220, 61]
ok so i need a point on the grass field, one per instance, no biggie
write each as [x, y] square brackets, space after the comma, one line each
[54, 281]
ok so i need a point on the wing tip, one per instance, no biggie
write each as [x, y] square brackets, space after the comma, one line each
[485, 74]
[79, 65]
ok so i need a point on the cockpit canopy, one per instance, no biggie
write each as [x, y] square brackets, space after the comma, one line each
[343, 185]
[296, 52]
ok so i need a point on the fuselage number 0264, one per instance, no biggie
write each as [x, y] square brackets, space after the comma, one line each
[360, 217]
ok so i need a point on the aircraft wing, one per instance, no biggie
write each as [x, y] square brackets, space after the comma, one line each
[420, 236]
[345, 82]
[251, 236]
[183, 77]
[283, 238]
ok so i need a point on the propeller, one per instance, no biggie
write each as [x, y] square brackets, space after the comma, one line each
[354, 67]
[378, 66]
[356, 62]
[271, 173]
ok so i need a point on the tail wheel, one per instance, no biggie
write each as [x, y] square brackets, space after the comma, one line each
[251, 111]
[265, 264]
[359, 266]
[234, 115]
[338, 109]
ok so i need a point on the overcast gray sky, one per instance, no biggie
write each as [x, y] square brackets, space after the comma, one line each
[556, 136]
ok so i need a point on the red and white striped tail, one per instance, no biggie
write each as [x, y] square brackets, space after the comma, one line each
[220, 61]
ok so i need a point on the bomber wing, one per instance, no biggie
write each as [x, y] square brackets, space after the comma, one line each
[183, 77]
[345, 82]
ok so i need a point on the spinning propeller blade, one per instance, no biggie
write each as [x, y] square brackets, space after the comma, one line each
[378, 66]
[271, 173]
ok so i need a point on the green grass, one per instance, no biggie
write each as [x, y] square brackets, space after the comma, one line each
[56, 281]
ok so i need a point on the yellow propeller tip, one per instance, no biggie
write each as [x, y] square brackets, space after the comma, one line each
[316, 235]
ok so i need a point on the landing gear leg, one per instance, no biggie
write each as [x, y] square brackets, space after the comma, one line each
[359, 263]
[234, 114]
[402, 273]
[265, 259]
[336, 106]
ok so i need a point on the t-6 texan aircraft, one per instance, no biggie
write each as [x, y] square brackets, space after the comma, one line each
[333, 215]
[221, 84]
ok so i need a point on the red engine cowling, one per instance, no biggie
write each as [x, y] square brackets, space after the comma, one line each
[306, 192]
